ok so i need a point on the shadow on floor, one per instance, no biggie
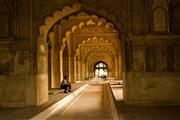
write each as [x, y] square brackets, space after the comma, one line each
[137, 112]
[132, 112]
[29, 112]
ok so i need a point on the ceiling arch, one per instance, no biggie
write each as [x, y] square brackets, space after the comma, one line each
[93, 40]
[50, 21]
[109, 27]
[93, 21]
[93, 51]
[67, 11]
[101, 45]
[98, 22]
[101, 56]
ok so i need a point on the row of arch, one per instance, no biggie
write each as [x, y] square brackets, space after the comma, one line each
[70, 53]
[69, 57]
[62, 50]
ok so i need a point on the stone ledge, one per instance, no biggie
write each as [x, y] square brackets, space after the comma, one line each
[59, 105]
[112, 103]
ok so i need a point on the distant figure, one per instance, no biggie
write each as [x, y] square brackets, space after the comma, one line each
[66, 85]
[104, 77]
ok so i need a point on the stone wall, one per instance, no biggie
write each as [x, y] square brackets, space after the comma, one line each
[115, 11]
[152, 88]
[16, 83]
[151, 50]
[153, 74]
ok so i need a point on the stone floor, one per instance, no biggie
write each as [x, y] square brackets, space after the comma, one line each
[92, 104]
[125, 112]
[132, 112]
[28, 112]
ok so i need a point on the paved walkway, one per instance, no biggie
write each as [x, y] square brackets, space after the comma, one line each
[28, 112]
[92, 104]
[135, 112]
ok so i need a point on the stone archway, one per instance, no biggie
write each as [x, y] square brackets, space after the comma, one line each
[101, 70]
[42, 46]
[103, 50]
[92, 21]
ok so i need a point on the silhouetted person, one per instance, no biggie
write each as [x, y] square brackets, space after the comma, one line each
[66, 85]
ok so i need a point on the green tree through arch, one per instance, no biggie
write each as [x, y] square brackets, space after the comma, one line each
[101, 70]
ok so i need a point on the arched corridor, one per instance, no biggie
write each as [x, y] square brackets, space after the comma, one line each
[93, 103]
[135, 42]
[77, 44]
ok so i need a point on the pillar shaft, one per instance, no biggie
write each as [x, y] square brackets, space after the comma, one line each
[79, 70]
[83, 71]
[71, 69]
[55, 70]
[86, 68]
[61, 66]
[120, 67]
[116, 67]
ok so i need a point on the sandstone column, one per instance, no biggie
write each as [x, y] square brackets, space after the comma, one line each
[86, 68]
[71, 69]
[55, 60]
[79, 68]
[116, 67]
[120, 67]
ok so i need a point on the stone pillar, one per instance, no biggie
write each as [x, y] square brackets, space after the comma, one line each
[80, 66]
[71, 69]
[77, 74]
[116, 67]
[83, 71]
[160, 12]
[75, 70]
[120, 67]
[86, 69]
[55, 62]
[55, 72]
[60, 37]
[79, 70]
[61, 65]
[70, 58]
[91, 70]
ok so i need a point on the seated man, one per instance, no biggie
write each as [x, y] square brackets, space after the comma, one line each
[66, 85]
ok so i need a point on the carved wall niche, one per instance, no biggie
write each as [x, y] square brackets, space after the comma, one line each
[177, 58]
[4, 25]
[42, 64]
[150, 58]
[23, 19]
[160, 15]
[138, 16]
[162, 3]
[4, 69]
[170, 57]
[161, 57]
[22, 62]
[175, 18]
[4, 19]
[5, 62]
[23, 57]
[139, 58]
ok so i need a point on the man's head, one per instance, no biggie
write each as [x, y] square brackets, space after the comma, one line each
[65, 77]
